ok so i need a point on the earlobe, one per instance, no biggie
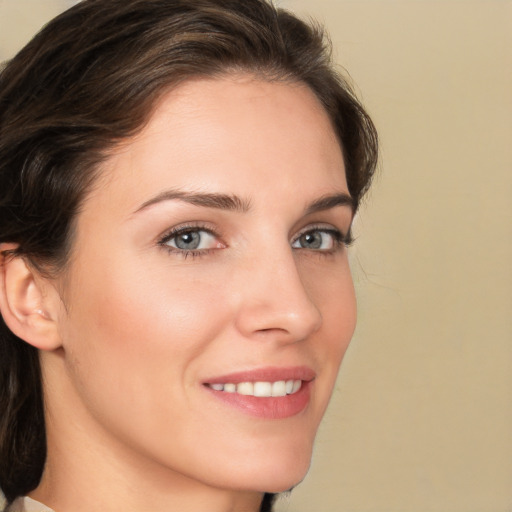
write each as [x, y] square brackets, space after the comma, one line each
[24, 301]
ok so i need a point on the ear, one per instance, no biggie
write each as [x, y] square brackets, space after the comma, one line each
[27, 301]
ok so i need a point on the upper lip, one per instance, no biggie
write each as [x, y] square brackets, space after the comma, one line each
[268, 374]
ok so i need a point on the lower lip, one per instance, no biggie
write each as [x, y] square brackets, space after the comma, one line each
[275, 407]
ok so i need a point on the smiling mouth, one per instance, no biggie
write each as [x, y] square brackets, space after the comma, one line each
[260, 389]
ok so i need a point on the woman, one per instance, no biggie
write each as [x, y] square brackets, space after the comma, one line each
[178, 180]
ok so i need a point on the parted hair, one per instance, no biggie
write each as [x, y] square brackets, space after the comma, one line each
[92, 78]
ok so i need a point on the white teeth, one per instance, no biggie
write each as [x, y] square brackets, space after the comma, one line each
[245, 388]
[261, 389]
[279, 388]
[230, 388]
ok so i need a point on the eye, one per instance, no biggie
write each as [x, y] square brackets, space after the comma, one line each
[191, 239]
[319, 240]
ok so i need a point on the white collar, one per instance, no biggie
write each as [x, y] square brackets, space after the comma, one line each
[26, 504]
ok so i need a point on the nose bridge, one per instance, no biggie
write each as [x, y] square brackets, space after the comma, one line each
[274, 298]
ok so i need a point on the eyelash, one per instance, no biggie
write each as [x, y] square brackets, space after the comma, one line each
[339, 239]
[183, 229]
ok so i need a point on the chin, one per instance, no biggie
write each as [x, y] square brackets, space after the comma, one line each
[276, 463]
[279, 472]
[284, 484]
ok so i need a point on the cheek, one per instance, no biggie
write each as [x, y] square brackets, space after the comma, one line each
[333, 293]
[134, 333]
[341, 314]
[340, 322]
[150, 313]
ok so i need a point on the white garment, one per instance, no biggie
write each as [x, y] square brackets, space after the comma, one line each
[26, 504]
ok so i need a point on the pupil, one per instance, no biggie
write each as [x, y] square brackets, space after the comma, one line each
[189, 241]
[311, 240]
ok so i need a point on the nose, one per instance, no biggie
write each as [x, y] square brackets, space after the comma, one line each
[274, 301]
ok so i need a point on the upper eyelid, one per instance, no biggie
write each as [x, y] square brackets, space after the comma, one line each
[321, 226]
[345, 237]
[181, 228]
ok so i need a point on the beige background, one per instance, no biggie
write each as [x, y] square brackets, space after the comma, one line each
[421, 420]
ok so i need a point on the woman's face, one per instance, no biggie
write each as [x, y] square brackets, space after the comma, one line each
[209, 257]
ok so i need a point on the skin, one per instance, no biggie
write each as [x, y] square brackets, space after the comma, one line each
[141, 327]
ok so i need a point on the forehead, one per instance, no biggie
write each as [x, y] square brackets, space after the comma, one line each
[232, 134]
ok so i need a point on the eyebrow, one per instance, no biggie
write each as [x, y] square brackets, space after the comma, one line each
[211, 200]
[237, 204]
[331, 201]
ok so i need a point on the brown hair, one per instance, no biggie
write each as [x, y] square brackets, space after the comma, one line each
[91, 78]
